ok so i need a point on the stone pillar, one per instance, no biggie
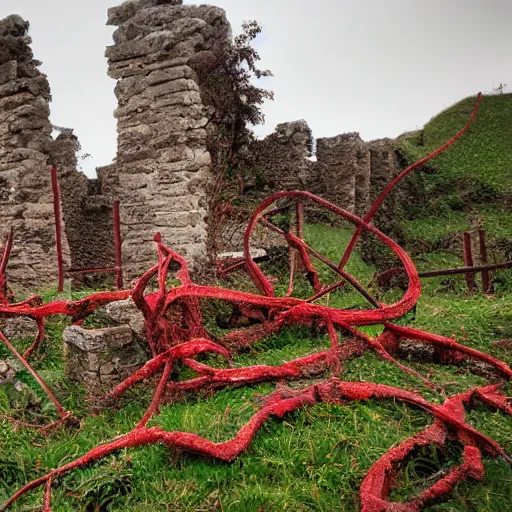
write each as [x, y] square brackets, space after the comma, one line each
[163, 166]
[25, 139]
[340, 164]
[383, 168]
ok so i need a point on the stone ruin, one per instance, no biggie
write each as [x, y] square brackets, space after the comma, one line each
[102, 358]
[163, 166]
[26, 148]
[162, 170]
[347, 171]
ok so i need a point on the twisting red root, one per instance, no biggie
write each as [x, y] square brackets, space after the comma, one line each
[176, 336]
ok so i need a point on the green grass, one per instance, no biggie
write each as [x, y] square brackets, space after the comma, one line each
[312, 460]
[467, 186]
[483, 155]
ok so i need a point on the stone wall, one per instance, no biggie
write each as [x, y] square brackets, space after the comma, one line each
[163, 167]
[26, 202]
[341, 173]
[347, 172]
[384, 167]
[278, 162]
[86, 212]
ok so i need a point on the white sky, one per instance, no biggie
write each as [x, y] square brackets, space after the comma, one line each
[372, 66]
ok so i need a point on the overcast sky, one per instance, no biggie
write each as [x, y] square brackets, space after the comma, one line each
[372, 66]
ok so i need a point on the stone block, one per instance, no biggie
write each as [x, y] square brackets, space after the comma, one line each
[136, 67]
[171, 87]
[126, 312]
[101, 358]
[160, 76]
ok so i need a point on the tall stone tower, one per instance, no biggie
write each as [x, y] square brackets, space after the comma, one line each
[163, 167]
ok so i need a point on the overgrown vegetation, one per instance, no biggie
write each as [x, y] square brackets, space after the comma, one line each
[227, 77]
[470, 185]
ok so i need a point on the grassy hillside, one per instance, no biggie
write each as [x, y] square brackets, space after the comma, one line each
[470, 184]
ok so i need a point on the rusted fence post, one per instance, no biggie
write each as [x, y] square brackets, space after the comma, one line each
[468, 261]
[6, 251]
[58, 227]
[484, 261]
[300, 219]
[117, 245]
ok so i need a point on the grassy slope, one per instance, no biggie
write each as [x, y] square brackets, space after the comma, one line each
[313, 460]
[472, 176]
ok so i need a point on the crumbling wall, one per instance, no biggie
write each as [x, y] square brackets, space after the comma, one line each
[280, 159]
[384, 167]
[26, 202]
[341, 173]
[162, 169]
[86, 212]
[276, 163]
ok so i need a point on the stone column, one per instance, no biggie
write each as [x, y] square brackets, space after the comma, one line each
[383, 168]
[163, 166]
[25, 139]
[341, 163]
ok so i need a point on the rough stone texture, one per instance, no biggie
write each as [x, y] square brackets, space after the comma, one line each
[125, 312]
[383, 168]
[18, 328]
[233, 231]
[8, 370]
[336, 169]
[25, 148]
[87, 214]
[348, 172]
[163, 167]
[281, 157]
[101, 358]
[278, 162]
